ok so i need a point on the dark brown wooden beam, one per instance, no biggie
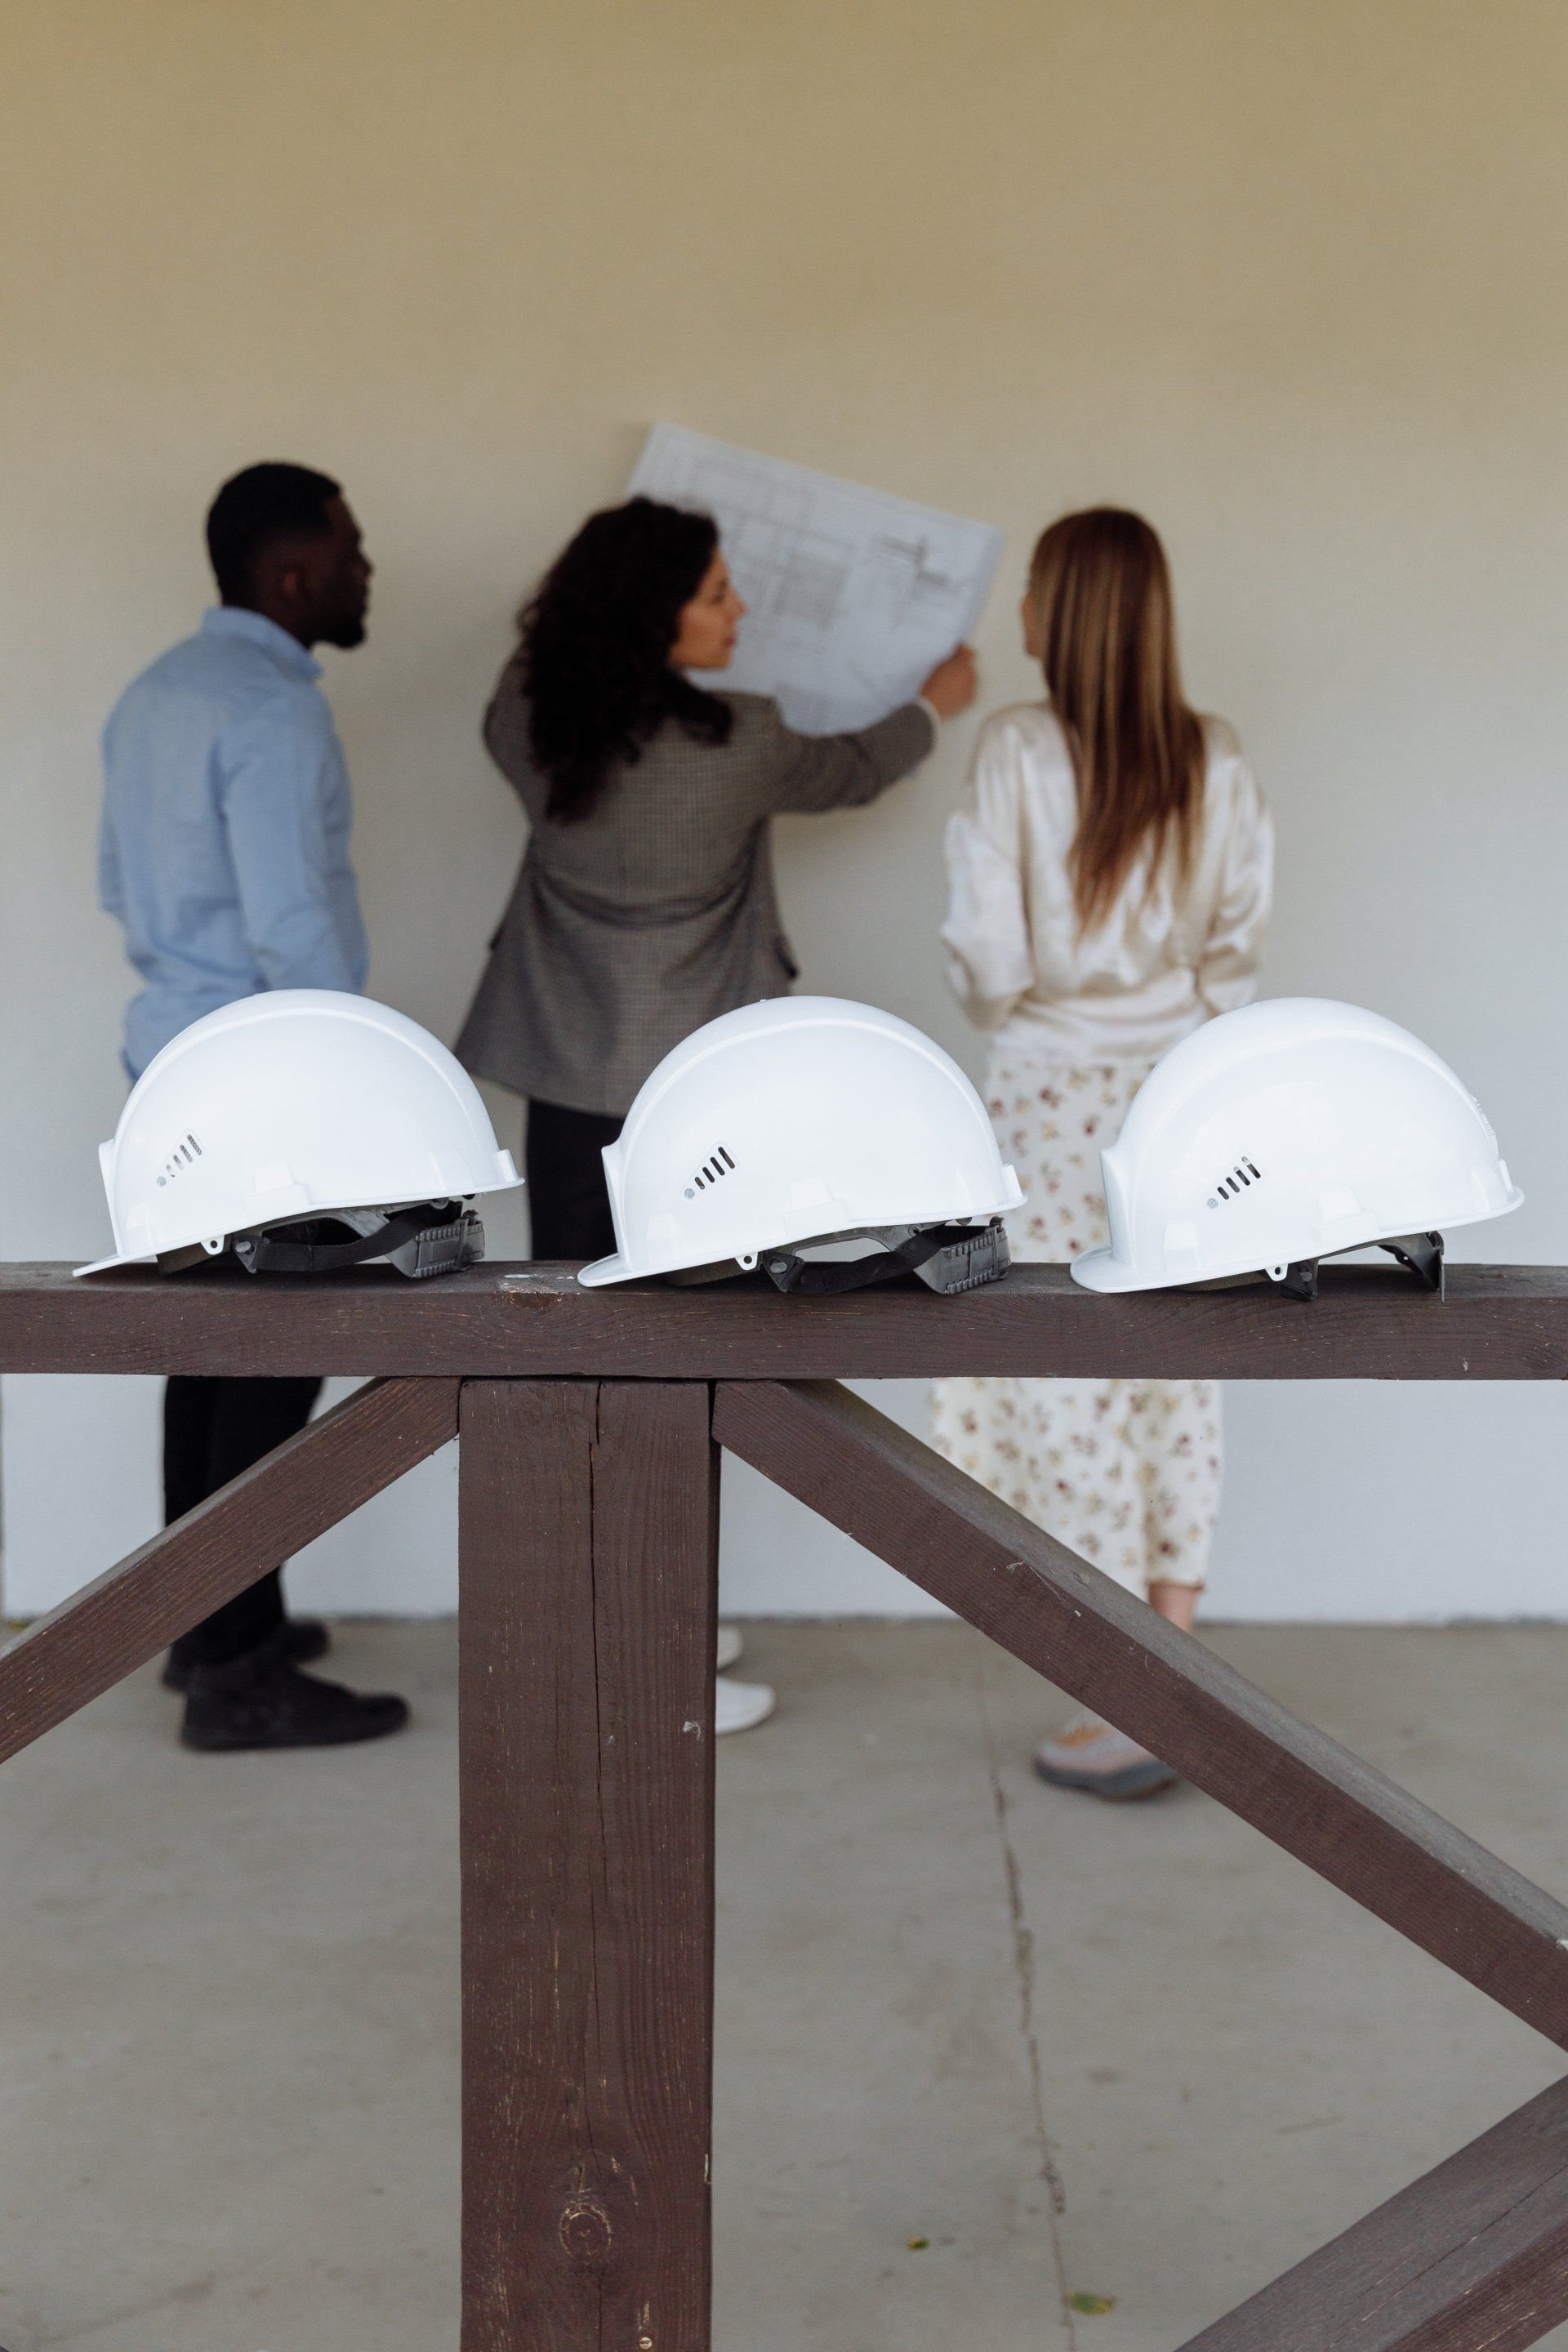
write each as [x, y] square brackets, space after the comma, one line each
[1498, 1323]
[1062, 1617]
[589, 1574]
[132, 1612]
[1471, 2257]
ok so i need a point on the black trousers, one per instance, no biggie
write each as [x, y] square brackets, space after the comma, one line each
[568, 1203]
[214, 1429]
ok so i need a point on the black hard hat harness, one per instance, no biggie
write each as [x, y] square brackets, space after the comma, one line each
[947, 1258]
[436, 1238]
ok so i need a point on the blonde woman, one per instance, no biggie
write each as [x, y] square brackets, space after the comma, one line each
[1110, 881]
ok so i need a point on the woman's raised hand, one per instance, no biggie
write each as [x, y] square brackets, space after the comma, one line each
[952, 684]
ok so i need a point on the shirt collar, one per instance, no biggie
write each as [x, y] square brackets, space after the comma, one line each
[236, 621]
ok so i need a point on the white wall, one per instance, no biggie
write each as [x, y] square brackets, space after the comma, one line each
[1292, 280]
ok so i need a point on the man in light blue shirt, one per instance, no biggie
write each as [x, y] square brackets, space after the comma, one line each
[225, 854]
[225, 844]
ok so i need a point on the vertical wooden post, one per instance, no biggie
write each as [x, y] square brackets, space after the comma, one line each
[589, 1526]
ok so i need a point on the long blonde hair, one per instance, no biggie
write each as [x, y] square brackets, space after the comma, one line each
[1105, 627]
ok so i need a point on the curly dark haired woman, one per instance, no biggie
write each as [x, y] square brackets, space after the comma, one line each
[645, 903]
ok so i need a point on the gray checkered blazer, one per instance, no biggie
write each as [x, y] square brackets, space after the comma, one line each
[632, 926]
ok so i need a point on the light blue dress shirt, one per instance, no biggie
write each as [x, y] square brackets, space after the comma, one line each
[225, 844]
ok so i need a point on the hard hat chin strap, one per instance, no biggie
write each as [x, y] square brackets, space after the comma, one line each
[947, 1258]
[420, 1243]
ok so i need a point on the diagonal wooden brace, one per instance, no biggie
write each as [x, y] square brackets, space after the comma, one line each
[132, 1612]
[1364, 1834]
[1473, 2257]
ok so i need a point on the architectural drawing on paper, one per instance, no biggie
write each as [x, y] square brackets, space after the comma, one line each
[854, 594]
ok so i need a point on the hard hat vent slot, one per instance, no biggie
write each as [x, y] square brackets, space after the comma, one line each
[185, 1154]
[1235, 1180]
[709, 1172]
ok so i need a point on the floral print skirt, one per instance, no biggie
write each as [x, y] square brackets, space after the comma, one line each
[1126, 1473]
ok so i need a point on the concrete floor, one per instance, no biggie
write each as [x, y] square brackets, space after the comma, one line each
[1129, 2053]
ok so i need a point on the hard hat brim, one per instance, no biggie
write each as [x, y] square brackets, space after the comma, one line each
[609, 1269]
[108, 1264]
[1103, 1271]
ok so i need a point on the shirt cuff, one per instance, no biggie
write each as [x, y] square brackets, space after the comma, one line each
[932, 713]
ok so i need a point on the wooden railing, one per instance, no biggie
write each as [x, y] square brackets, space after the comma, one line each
[590, 1424]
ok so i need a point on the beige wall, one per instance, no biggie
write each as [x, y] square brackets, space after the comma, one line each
[1290, 278]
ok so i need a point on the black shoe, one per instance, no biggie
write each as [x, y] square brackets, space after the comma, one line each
[298, 1640]
[261, 1701]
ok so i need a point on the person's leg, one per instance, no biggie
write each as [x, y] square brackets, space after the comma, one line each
[1066, 1454]
[1170, 1441]
[1059, 1451]
[1183, 1470]
[1072, 1455]
[239, 1666]
[213, 1429]
[568, 1199]
[1179, 1602]
[187, 1433]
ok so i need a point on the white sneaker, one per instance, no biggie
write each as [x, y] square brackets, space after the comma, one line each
[739, 1706]
[730, 1645]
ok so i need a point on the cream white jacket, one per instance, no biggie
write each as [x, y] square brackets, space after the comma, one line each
[1161, 963]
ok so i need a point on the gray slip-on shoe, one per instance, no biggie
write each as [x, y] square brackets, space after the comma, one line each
[1098, 1761]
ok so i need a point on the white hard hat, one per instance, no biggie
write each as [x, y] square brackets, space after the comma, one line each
[298, 1105]
[1287, 1132]
[803, 1120]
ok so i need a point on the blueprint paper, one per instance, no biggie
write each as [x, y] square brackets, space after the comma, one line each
[854, 596]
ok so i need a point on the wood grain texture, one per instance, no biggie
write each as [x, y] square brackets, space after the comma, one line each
[1301, 1789]
[1498, 1323]
[589, 1568]
[1471, 2257]
[134, 1610]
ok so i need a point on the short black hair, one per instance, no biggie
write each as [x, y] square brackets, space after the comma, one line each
[263, 504]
